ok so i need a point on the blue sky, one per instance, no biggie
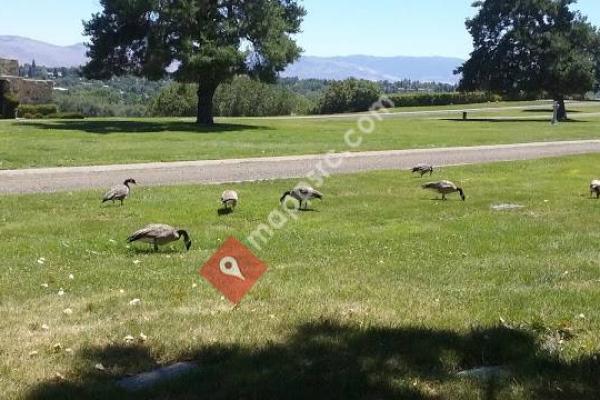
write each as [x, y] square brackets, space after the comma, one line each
[332, 27]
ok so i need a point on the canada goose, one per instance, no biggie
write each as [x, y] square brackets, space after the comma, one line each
[595, 188]
[160, 234]
[229, 198]
[302, 194]
[445, 187]
[119, 192]
[423, 169]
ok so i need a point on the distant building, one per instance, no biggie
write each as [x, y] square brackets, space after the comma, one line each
[27, 91]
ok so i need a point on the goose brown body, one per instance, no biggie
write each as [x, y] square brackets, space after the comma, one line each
[303, 194]
[160, 234]
[422, 169]
[445, 188]
[119, 192]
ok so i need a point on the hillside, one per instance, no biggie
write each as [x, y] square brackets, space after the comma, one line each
[439, 69]
[49, 55]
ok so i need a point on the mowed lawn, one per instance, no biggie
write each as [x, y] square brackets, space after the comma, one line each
[25, 144]
[381, 292]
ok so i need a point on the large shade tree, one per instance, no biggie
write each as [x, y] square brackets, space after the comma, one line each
[206, 42]
[531, 46]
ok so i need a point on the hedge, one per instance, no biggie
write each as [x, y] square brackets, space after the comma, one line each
[66, 115]
[37, 110]
[442, 99]
[59, 115]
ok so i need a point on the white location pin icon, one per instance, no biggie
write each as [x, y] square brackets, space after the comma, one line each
[230, 267]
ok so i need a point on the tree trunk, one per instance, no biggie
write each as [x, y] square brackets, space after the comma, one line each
[204, 115]
[562, 109]
[2, 90]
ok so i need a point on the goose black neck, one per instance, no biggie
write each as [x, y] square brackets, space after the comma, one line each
[186, 238]
[184, 233]
[284, 196]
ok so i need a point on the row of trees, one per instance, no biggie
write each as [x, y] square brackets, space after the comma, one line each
[34, 71]
[240, 97]
[520, 46]
[130, 96]
[409, 86]
[120, 96]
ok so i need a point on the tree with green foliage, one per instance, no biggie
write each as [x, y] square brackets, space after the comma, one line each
[250, 98]
[531, 46]
[242, 97]
[350, 95]
[208, 41]
[175, 100]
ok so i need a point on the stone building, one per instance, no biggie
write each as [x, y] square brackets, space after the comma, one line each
[27, 91]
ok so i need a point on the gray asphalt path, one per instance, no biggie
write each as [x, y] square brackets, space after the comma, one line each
[252, 169]
[399, 113]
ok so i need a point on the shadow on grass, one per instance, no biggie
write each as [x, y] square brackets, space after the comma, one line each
[547, 111]
[508, 120]
[104, 127]
[451, 199]
[149, 249]
[327, 360]
[224, 211]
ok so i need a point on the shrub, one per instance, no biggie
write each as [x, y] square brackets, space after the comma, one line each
[350, 95]
[57, 115]
[31, 116]
[66, 115]
[176, 100]
[37, 109]
[9, 105]
[91, 105]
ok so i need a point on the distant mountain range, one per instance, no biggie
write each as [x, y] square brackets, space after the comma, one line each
[46, 54]
[439, 69]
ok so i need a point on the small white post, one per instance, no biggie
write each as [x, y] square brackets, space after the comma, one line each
[555, 107]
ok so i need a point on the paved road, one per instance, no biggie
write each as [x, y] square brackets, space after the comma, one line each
[251, 169]
[399, 113]
[580, 115]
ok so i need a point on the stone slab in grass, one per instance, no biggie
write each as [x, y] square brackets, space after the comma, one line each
[506, 207]
[485, 373]
[148, 380]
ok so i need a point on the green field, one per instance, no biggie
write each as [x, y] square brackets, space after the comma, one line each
[381, 292]
[108, 141]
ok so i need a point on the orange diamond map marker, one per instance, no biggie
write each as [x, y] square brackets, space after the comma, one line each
[233, 270]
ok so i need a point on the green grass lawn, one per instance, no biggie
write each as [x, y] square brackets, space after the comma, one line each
[381, 292]
[108, 141]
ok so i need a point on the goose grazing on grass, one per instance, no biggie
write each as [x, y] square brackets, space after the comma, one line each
[302, 194]
[423, 169]
[595, 188]
[229, 198]
[160, 234]
[444, 188]
[119, 192]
